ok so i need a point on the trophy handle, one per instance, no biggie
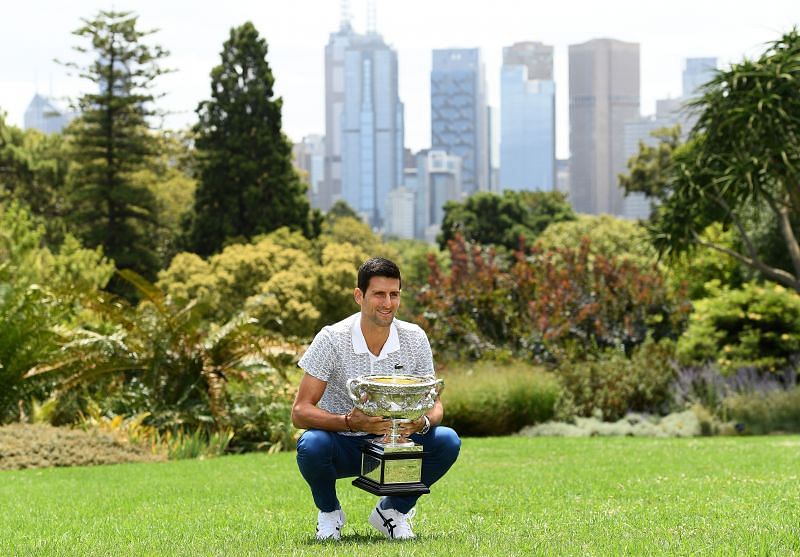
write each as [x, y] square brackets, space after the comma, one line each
[437, 389]
[351, 391]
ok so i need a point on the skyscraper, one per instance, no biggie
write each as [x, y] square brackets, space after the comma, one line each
[372, 127]
[527, 107]
[696, 72]
[603, 95]
[459, 116]
[331, 188]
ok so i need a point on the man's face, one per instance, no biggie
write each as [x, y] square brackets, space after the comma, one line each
[381, 300]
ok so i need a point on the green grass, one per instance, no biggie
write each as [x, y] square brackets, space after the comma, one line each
[505, 496]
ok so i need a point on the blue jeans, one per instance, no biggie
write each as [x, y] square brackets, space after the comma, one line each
[325, 456]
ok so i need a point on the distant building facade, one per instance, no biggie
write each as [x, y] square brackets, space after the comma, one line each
[527, 106]
[42, 114]
[604, 94]
[309, 157]
[372, 128]
[459, 114]
[696, 72]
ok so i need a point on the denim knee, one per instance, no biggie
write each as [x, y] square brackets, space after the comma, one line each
[315, 444]
[448, 440]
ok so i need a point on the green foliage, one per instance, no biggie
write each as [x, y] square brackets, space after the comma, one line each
[608, 236]
[248, 185]
[40, 291]
[110, 142]
[755, 326]
[741, 157]
[649, 168]
[706, 267]
[169, 176]
[158, 358]
[501, 220]
[341, 209]
[763, 413]
[33, 169]
[357, 233]
[260, 413]
[611, 384]
[490, 398]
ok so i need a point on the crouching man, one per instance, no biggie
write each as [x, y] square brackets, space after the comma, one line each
[368, 342]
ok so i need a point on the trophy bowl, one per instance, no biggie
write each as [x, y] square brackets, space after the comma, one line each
[401, 397]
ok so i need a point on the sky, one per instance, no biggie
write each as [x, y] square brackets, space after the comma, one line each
[35, 32]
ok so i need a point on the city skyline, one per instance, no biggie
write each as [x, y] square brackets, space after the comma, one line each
[413, 28]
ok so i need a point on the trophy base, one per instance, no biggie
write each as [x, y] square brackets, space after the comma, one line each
[391, 469]
[414, 488]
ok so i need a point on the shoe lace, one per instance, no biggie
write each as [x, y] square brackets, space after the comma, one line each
[404, 520]
[329, 521]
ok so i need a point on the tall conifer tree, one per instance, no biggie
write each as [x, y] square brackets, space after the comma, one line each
[112, 141]
[248, 185]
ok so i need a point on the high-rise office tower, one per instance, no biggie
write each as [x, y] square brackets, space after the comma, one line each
[696, 72]
[459, 116]
[528, 115]
[603, 95]
[372, 127]
[331, 188]
[42, 114]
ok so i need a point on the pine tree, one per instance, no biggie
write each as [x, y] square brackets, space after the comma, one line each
[112, 141]
[248, 185]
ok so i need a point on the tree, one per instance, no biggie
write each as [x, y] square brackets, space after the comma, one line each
[33, 169]
[111, 141]
[488, 218]
[742, 161]
[248, 185]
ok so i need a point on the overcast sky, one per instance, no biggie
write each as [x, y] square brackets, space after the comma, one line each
[34, 32]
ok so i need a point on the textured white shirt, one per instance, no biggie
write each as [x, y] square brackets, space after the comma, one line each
[339, 352]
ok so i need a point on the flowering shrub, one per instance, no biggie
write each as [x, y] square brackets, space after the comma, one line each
[550, 305]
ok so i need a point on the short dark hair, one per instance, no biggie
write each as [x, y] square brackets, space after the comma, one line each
[377, 267]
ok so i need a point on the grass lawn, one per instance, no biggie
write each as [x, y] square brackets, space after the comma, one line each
[505, 496]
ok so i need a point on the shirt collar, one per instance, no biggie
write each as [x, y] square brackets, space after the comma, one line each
[392, 343]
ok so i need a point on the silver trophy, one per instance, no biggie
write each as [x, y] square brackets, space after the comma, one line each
[392, 465]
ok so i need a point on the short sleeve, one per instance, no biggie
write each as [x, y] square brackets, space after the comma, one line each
[320, 359]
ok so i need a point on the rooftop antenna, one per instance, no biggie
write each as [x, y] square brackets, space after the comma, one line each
[371, 17]
[345, 23]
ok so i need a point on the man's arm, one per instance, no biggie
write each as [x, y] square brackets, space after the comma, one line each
[306, 414]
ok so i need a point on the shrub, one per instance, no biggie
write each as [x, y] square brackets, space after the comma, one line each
[260, 413]
[488, 398]
[755, 326]
[39, 446]
[550, 305]
[611, 384]
[770, 412]
[689, 423]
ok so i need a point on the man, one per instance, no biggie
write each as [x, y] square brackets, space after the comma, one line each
[371, 341]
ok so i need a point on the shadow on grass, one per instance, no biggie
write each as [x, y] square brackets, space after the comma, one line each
[366, 539]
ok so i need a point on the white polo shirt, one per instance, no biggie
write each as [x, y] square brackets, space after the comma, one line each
[339, 352]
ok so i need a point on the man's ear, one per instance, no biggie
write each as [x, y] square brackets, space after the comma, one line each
[358, 295]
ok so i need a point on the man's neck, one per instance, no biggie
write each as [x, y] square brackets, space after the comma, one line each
[374, 336]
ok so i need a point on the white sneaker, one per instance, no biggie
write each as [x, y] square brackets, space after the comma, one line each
[391, 523]
[329, 525]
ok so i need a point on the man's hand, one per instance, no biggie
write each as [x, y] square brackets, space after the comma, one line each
[414, 426]
[370, 424]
